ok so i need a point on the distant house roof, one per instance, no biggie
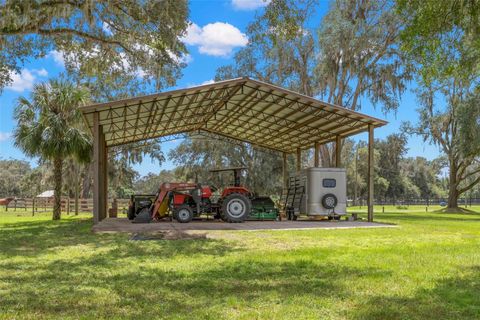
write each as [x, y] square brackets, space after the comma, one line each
[45, 194]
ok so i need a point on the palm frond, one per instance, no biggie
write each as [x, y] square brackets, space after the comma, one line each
[49, 124]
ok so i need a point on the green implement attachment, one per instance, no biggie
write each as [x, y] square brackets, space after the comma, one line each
[263, 208]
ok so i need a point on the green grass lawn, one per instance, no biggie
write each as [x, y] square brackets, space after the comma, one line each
[427, 268]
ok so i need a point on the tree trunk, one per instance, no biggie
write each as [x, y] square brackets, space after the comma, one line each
[452, 197]
[325, 156]
[87, 181]
[355, 190]
[452, 186]
[57, 176]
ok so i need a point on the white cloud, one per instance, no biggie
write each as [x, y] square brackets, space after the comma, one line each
[249, 4]
[58, 57]
[122, 63]
[4, 136]
[140, 73]
[215, 39]
[21, 81]
[25, 79]
[40, 72]
[184, 58]
[125, 65]
[107, 29]
[190, 85]
[208, 82]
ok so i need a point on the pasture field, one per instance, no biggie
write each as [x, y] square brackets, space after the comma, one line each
[426, 268]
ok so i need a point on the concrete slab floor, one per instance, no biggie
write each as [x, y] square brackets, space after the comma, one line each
[124, 225]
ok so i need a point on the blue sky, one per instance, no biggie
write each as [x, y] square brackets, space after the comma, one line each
[217, 31]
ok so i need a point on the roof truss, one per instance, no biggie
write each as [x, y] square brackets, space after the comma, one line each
[242, 109]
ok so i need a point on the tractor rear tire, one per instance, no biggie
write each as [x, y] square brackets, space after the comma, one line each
[236, 208]
[183, 214]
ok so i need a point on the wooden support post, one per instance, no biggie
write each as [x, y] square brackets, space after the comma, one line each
[316, 156]
[96, 168]
[338, 152]
[299, 159]
[370, 172]
[99, 168]
[77, 191]
[113, 211]
[285, 173]
[105, 179]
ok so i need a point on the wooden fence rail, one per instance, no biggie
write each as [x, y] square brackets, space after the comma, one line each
[415, 201]
[68, 205]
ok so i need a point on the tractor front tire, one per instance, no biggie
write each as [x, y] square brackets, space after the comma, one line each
[183, 214]
[235, 208]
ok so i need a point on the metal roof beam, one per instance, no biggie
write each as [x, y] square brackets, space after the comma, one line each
[280, 134]
[234, 113]
[285, 123]
[257, 113]
[245, 140]
[218, 106]
[266, 116]
[166, 99]
[113, 143]
[347, 112]
[344, 133]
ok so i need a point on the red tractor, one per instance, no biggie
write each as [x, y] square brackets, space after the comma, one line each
[184, 201]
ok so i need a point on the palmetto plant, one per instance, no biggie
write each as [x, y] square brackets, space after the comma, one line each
[49, 127]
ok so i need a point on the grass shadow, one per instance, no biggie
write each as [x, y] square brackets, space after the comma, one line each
[451, 298]
[151, 290]
[428, 216]
[35, 238]
[47, 267]
[456, 210]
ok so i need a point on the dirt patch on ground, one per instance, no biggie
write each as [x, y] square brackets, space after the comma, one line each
[168, 235]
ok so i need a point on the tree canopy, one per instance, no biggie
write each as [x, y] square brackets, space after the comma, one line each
[441, 42]
[107, 40]
[433, 28]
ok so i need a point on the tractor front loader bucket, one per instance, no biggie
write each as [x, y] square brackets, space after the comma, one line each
[144, 216]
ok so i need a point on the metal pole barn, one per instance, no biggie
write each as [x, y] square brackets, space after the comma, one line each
[241, 109]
